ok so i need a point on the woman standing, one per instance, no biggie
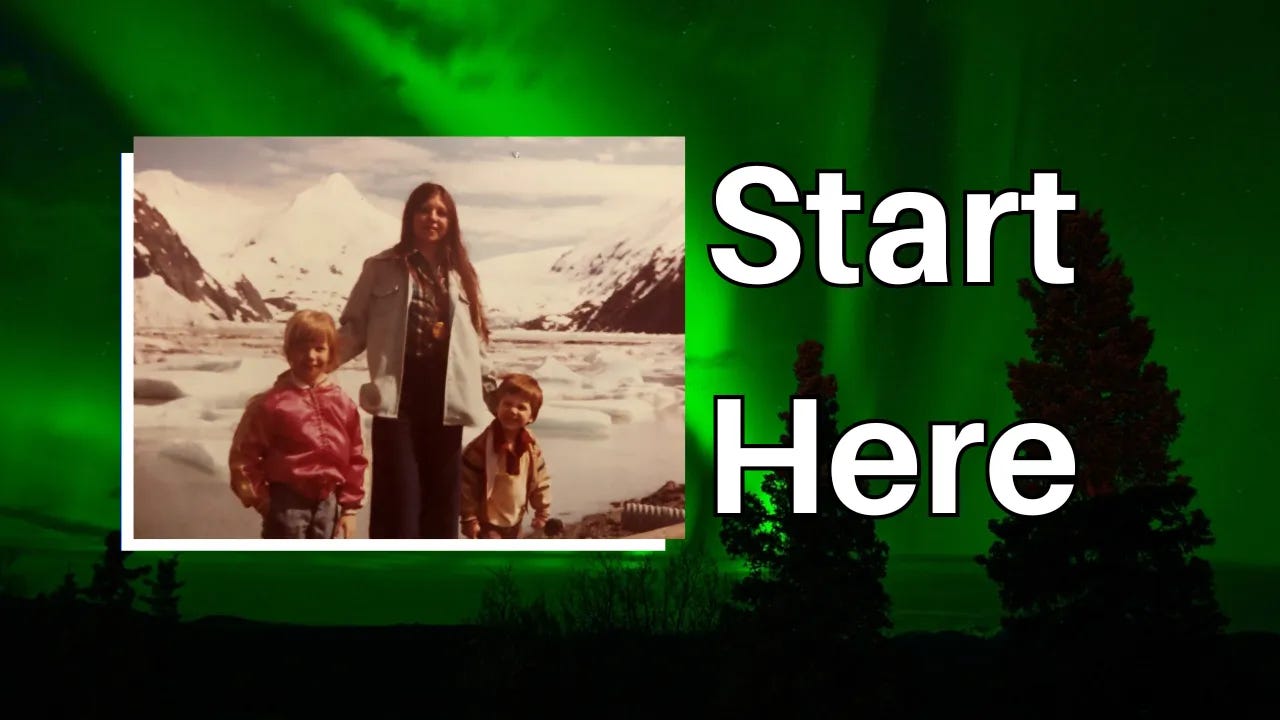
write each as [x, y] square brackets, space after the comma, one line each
[416, 309]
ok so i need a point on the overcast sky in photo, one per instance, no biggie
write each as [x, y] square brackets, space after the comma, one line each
[513, 193]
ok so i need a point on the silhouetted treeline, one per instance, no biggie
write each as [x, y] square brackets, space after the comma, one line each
[536, 649]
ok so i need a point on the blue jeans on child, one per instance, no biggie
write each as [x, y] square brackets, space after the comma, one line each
[294, 516]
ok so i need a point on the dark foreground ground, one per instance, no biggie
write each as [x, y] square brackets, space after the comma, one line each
[94, 662]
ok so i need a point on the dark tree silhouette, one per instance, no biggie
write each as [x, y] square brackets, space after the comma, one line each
[1117, 560]
[112, 584]
[815, 579]
[501, 604]
[68, 593]
[679, 593]
[163, 595]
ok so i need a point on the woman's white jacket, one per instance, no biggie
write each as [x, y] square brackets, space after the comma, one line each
[376, 319]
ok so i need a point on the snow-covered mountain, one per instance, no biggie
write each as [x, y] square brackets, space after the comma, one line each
[628, 279]
[519, 287]
[306, 253]
[309, 253]
[172, 287]
[634, 281]
[212, 224]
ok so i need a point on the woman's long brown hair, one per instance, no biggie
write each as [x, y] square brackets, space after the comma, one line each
[455, 253]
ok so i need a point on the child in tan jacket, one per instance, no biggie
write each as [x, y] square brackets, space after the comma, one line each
[503, 470]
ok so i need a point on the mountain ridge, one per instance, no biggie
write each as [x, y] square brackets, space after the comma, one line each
[308, 252]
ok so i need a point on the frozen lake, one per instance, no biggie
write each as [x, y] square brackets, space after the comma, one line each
[612, 422]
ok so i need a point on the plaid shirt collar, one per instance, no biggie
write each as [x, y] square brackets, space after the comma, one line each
[417, 259]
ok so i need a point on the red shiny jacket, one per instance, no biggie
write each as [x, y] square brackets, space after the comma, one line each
[308, 437]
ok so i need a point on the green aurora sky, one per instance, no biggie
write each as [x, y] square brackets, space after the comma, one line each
[1166, 121]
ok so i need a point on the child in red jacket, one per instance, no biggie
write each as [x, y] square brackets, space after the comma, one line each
[298, 456]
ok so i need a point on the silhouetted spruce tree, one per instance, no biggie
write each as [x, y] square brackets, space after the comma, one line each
[163, 595]
[814, 579]
[1117, 563]
[112, 584]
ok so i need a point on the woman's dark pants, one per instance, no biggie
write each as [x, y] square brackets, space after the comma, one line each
[417, 462]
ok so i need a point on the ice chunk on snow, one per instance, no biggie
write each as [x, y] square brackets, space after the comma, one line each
[153, 343]
[618, 374]
[556, 370]
[661, 396]
[176, 414]
[574, 422]
[145, 388]
[601, 358]
[209, 414]
[619, 410]
[193, 454]
[204, 363]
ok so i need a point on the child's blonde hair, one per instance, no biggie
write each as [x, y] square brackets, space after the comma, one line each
[524, 386]
[308, 326]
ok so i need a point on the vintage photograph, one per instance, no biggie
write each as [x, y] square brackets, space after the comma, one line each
[408, 338]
